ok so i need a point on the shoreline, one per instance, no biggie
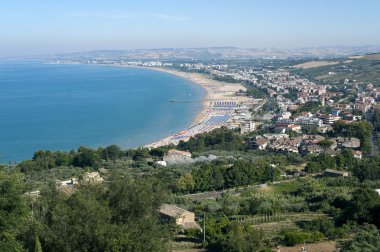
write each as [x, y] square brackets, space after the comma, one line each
[199, 117]
[215, 92]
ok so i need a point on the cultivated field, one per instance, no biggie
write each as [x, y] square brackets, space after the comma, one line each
[327, 246]
[314, 63]
[375, 56]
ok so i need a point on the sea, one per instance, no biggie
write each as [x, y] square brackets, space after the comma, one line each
[63, 106]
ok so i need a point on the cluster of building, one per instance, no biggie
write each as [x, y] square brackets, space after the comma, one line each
[292, 91]
[305, 144]
[145, 63]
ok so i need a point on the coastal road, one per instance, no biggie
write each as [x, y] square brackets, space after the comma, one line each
[260, 105]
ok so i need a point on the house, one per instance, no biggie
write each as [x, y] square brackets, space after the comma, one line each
[70, 182]
[173, 153]
[363, 107]
[304, 120]
[286, 145]
[295, 128]
[335, 173]
[314, 149]
[261, 143]
[247, 126]
[348, 142]
[378, 191]
[306, 114]
[357, 154]
[329, 118]
[324, 129]
[270, 136]
[68, 186]
[284, 115]
[176, 156]
[183, 218]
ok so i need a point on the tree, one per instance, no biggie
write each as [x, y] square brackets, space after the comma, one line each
[121, 215]
[13, 212]
[134, 207]
[325, 145]
[111, 152]
[313, 167]
[79, 222]
[86, 157]
[217, 177]
[361, 207]
[218, 139]
[361, 130]
[367, 169]
[140, 154]
[185, 183]
[367, 239]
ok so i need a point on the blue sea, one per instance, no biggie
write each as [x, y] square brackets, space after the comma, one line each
[61, 107]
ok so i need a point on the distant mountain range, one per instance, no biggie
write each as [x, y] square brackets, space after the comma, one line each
[220, 53]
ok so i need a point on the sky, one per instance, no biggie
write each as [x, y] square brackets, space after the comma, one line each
[30, 27]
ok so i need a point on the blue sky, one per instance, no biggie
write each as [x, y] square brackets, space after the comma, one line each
[53, 26]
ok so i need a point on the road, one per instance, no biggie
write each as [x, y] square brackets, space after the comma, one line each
[259, 106]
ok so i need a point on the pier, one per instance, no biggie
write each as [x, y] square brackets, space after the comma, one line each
[186, 100]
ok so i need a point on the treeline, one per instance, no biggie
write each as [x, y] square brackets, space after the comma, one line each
[211, 176]
[86, 157]
[311, 107]
[219, 139]
[255, 92]
[343, 161]
[121, 215]
[366, 169]
[226, 78]
[361, 130]
[376, 120]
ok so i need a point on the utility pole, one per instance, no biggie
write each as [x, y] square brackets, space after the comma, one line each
[204, 227]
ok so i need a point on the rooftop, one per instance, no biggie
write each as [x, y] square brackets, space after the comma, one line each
[172, 210]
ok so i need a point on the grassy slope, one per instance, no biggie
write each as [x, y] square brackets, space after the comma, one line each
[363, 71]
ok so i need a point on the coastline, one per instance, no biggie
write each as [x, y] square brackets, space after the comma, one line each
[192, 78]
[216, 91]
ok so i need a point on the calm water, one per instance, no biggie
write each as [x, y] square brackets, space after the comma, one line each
[60, 107]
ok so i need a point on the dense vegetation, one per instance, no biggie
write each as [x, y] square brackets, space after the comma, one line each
[247, 193]
[96, 217]
[219, 139]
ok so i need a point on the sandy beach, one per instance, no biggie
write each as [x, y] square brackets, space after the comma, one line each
[216, 91]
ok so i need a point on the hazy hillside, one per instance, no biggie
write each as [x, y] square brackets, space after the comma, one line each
[223, 53]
